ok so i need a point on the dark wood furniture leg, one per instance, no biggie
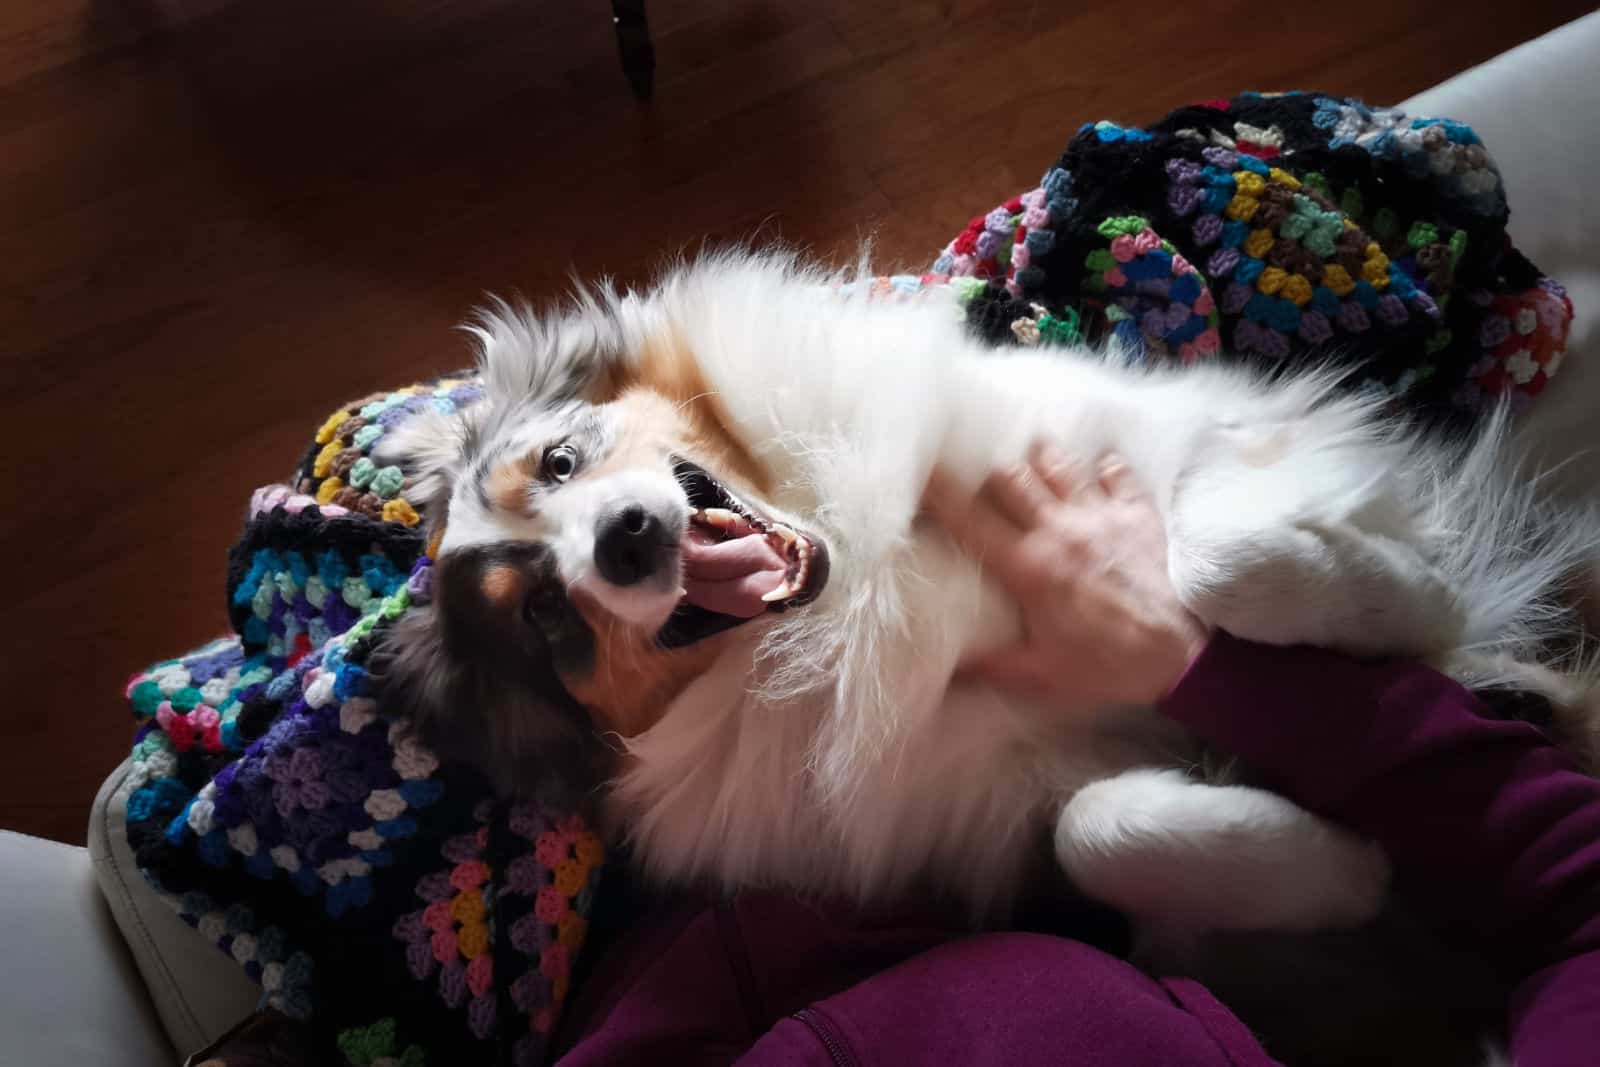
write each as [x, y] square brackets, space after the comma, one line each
[633, 42]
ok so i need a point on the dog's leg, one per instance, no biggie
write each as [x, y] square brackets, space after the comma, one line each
[1302, 544]
[1159, 846]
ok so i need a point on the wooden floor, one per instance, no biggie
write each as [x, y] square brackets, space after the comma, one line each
[220, 218]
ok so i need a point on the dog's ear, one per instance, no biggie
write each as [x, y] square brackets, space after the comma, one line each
[546, 361]
[431, 448]
[527, 362]
[475, 678]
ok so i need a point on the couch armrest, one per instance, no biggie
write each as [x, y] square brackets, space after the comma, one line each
[198, 992]
[69, 993]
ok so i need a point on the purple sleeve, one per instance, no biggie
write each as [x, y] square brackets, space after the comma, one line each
[1004, 1000]
[1492, 830]
[772, 980]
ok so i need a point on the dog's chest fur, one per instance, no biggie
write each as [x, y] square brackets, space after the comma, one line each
[831, 751]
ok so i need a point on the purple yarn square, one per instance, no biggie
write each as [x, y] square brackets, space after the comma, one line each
[1183, 171]
[1392, 310]
[1222, 262]
[1183, 199]
[1235, 297]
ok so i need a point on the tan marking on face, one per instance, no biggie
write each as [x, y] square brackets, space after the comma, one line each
[669, 368]
[608, 384]
[507, 483]
[501, 585]
[659, 407]
[634, 679]
[645, 432]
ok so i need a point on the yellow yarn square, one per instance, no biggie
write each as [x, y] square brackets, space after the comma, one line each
[1249, 183]
[472, 940]
[325, 433]
[397, 510]
[1259, 243]
[324, 461]
[1284, 178]
[1338, 279]
[467, 908]
[571, 929]
[328, 490]
[1243, 208]
[1272, 279]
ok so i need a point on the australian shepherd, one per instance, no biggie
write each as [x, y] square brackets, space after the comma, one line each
[680, 561]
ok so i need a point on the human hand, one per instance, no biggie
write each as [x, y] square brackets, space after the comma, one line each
[1085, 556]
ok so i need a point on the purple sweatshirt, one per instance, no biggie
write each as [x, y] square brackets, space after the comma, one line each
[1493, 833]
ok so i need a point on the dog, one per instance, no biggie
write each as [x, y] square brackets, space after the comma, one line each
[681, 567]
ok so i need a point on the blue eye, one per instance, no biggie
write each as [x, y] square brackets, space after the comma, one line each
[560, 463]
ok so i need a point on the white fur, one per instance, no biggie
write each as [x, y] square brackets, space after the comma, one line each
[828, 749]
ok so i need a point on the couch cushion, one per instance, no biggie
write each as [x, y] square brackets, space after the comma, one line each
[197, 991]
[69, 995]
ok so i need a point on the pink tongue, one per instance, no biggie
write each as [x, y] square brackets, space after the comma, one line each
[731, 577]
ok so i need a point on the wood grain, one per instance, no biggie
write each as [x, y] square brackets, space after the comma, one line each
[220, 218]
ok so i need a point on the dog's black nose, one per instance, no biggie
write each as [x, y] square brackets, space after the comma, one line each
[631, 544]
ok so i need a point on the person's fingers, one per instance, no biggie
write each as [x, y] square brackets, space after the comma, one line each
[1060, 474]
[1117, 479]
[1019, 494]
[977, 527]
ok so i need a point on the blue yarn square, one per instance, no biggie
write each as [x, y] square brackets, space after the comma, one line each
[1259, 309]
[1248, 270]
[1188, 331]
[1284, 315]
[421, 792]
[1152, 265]
[350, 893]
[1185, 289]
[213, 848]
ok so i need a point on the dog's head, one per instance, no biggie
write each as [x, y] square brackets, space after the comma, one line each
[600, 529]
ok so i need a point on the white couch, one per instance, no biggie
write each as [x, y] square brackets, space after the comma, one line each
[101, 972]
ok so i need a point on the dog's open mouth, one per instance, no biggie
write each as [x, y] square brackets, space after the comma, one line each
[737, 562]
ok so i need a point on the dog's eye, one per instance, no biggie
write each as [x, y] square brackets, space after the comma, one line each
[560, 463]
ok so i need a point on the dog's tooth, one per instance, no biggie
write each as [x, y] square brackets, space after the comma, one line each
[783, 533]
[783, 592]
[721, 518]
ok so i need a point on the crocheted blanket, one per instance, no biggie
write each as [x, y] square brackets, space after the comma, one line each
[1279, 228]
[394, 911]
